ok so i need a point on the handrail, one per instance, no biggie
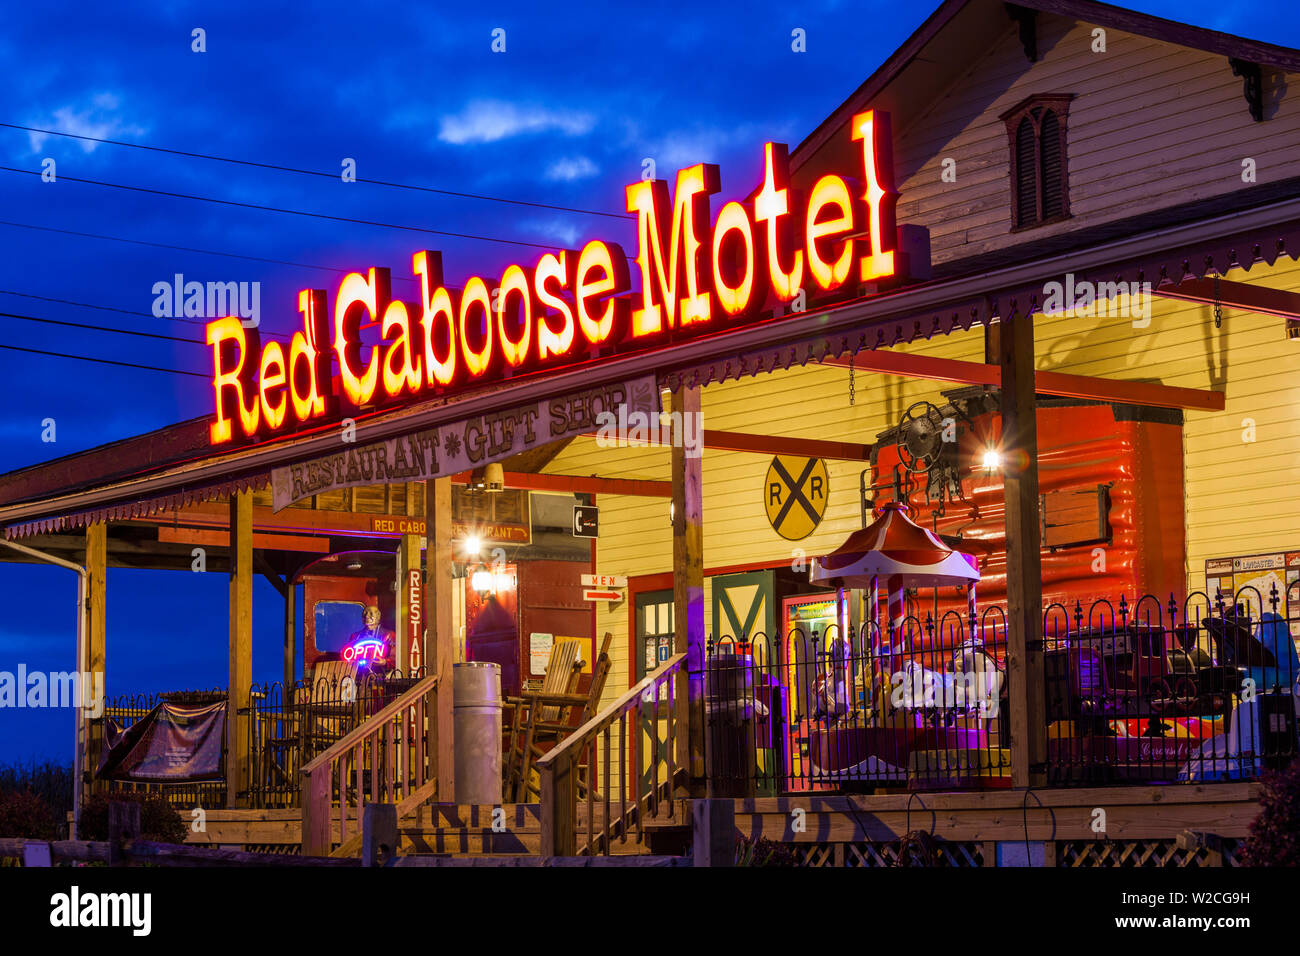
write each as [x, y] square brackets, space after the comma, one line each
[389, 755]
[607, 716]
[558, 768]
[349, 740]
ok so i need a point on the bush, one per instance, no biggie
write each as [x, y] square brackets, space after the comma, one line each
[764, 852]
[50, 781]
[159, 820]
[25, 815]
[1275, 832]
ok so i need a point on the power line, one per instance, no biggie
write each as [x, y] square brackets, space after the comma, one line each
[110, 308]
[166, 245]
[313, 172]
[291, 212]
[103, 361]
[102, 328]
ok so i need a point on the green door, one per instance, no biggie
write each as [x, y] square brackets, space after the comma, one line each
[654, 645]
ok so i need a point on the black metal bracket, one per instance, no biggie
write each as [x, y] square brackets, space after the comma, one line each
[1028, 22]
[1252, 85]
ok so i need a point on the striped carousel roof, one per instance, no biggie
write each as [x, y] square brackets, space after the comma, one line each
[895, 545]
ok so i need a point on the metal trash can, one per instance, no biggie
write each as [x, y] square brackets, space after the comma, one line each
[731, 757]
[476, 716]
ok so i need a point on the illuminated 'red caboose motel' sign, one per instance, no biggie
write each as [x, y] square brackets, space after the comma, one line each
[568, 304]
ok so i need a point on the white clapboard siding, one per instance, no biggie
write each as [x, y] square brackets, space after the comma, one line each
[1152, 124]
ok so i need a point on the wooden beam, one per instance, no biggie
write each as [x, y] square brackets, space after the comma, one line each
[1019, 447]
[586, 484]
[290, 636]
[1235, 295]
[762, 445]
[440, 642]
[241, 646]
[779, 445]
[410, 605]
[261, 541]
[889, 362]
[96, 564]
[688, 596]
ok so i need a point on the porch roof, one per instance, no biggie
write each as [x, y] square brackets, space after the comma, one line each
[175, 467]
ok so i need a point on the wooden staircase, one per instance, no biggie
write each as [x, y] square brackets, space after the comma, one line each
[636, 769]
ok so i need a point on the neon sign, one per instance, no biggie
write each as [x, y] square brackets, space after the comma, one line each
[366, 651]
[567, 305]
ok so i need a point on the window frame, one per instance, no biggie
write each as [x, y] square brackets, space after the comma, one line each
[1059, 104]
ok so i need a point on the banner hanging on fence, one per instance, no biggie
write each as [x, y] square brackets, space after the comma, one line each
[173, 743]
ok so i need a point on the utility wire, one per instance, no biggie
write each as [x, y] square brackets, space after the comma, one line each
[290, 212]
[103, 361]
[167, 245]
[313, 172]
[103, 328]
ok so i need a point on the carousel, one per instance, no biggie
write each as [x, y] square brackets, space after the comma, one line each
[904, 700]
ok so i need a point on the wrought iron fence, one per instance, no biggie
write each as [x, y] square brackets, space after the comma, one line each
[1203, 689]
[1198, 690]
[288, 730]
[125, 710]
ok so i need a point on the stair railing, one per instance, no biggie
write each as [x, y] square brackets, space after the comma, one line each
[391, 757]
[640, 750]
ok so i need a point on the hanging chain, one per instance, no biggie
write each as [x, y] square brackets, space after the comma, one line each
[851, 382]
[1218, 307]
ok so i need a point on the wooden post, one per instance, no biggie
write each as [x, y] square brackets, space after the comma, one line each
[123, 827]
[688, 595]
[290, 637]
[410, 610]
[714, 838]
[559, 810]
[316, 823]
[238, 718]
[1024, 561]
[92, 732]
[441, 642]
[378, 834]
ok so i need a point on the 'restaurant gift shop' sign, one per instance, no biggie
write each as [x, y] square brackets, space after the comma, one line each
[568, 307]
[460, 446]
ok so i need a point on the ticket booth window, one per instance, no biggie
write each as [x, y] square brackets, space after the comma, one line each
[335, 623]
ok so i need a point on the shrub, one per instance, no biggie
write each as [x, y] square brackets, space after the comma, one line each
[159, 820]
[25, 815]
[1275, 832]
[50, 781]
[764, 852]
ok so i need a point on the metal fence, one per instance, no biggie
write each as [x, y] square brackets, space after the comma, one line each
[1203, 689]
[125, 710]
[285, 731]
[1200, 690]
[288, 730]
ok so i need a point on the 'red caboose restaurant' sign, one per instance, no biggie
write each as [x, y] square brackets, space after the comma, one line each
[779, 248]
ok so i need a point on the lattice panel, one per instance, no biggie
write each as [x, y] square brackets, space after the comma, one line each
[1141, 853]
[884, 854]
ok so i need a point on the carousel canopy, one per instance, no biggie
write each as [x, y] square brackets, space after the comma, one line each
[895, 546]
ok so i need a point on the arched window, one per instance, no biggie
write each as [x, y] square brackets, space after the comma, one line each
[1040, 185]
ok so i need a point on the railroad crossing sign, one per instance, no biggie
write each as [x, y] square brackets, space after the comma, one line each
[794, 494]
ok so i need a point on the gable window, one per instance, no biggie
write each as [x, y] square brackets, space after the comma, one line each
[1040, 180]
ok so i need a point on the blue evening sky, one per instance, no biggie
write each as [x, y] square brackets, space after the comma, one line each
[583, 93]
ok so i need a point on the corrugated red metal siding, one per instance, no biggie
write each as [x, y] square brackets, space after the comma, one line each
[1081, 447]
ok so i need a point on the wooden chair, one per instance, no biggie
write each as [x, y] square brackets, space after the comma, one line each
[563, 670]
[548, 718]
